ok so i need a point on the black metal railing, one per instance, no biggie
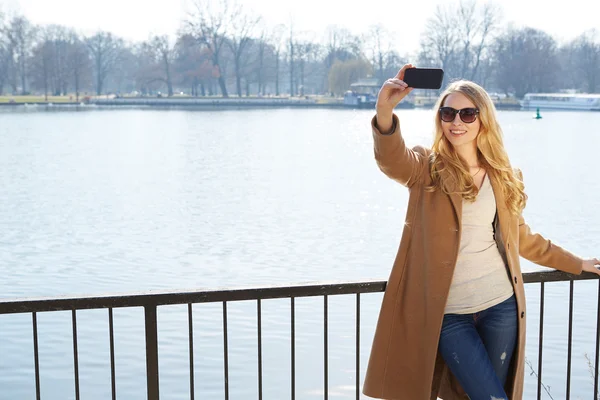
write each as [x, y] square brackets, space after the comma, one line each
[152, 300]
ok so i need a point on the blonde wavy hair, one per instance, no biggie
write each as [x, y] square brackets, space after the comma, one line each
[450, 172]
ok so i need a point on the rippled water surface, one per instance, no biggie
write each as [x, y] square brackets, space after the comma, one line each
[129, 200]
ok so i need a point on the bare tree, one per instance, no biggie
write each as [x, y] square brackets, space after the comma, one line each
[242, 27]
[167, 54]
[584, 57]
[105, 50]
[475, 30]
[194, 65]
[43, 62]
[308, 54]
[4, 65]
[292, 58]
[5, 56]
[8, 54]
[485, 71]
[525, 60]
[78, 62]
[161, 55]
[4, 53]
[378, 42]
[148, 74]
[439, 42]
[210, 25]
[458, 36]
[21, 35]
[276, 39]
[261, 48]
[59, 36]
[249, 66]
[55, 41]
[378, 46]
[391, 63]
[341, 45]
[302, 50]
[264, 67]
[122, 76]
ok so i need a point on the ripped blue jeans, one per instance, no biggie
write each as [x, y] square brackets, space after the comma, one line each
[478, 348]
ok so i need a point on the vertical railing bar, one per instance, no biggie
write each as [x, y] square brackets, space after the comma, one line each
[357, 346]
[325, 348]
[541, 338]
[597, 345]
[75, 353]
[191, 349]
[570, 341]
[36, 356]
[226, 350]
[151, 351]
[259, 335]
[111, 329]
[293, 346]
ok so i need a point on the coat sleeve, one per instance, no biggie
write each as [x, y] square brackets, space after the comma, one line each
[535, 248]
[394, 159]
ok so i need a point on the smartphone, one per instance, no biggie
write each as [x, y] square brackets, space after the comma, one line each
[424, 78]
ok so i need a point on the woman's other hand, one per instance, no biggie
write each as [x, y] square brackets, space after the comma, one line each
[591, 265]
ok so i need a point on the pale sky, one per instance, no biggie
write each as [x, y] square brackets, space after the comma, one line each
[137, 19]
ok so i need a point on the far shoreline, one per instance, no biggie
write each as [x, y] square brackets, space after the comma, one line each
[220, 103]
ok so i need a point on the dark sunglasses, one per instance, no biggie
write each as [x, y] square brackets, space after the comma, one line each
[467, 115]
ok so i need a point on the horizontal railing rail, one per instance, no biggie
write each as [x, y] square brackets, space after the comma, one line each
[151, 300]
[160, 298]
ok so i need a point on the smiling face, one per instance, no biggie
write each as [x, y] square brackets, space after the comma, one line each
[457, 132]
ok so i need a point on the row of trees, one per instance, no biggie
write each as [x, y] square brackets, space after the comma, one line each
[472, 42]
[222, 48]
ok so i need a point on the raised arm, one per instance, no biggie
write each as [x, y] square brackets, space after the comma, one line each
[393, 157]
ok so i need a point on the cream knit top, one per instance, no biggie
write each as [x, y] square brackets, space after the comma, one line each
[480, 277]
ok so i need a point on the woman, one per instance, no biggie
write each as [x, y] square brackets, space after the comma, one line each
[452, 320]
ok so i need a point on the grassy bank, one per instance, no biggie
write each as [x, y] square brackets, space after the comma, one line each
[38, 99]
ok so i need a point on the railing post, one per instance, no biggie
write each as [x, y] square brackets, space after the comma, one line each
[151, 351]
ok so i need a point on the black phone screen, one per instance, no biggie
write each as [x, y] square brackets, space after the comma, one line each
[424, 78]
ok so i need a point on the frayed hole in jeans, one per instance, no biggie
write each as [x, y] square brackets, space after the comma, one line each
[456, 358]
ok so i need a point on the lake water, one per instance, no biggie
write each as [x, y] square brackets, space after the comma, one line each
[128, 200]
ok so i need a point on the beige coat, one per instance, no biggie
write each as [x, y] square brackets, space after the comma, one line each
[404, 362]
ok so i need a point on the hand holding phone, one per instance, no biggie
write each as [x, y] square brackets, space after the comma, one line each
[392, 92]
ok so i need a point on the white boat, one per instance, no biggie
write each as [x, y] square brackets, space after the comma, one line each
[561, 101]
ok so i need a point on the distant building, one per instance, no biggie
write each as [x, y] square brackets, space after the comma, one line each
[363, 94]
